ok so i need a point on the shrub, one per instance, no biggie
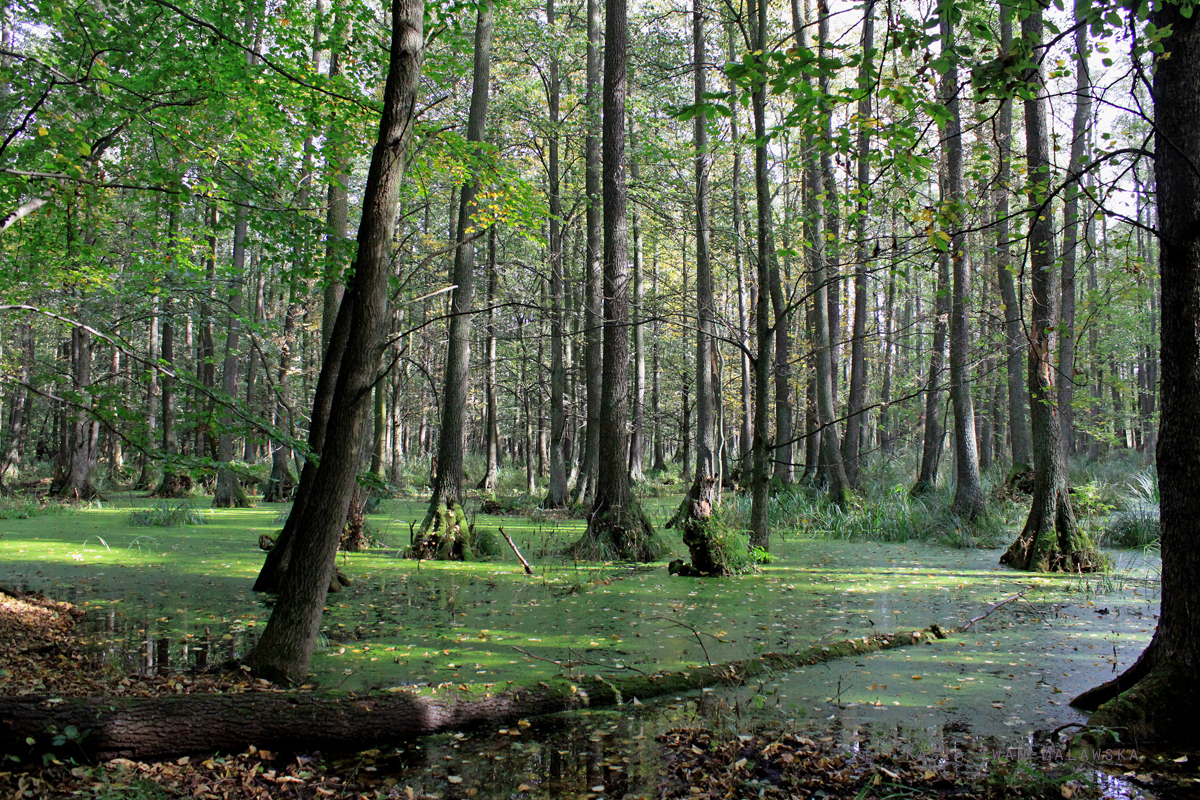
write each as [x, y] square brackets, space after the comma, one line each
[165, 514]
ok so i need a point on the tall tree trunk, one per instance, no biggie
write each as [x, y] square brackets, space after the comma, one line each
[338, 247]
[617, 527]
[1071, 226]
[145, 477]
[931, 447]
[831, 453]
[556, 494]
[760, 534]
[228, 492]
[857, 397]
[1051, 540]
[1158, 698]
[695, 515]
[637, 433]
[1013, 333]
[447, 482]
[491, 445]
[968, 489]
[285, 650]
[594, 279]
[18, 420]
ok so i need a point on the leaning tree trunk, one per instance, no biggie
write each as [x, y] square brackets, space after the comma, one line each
[1158, 698]
[618, 528]
[1051, 540]
[285, 650]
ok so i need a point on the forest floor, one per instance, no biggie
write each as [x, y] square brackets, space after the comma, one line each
[972, 715]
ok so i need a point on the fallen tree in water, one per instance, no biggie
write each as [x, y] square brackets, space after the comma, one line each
[147, 727]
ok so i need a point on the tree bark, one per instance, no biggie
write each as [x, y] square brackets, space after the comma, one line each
[637, 432]
[229, 492]
[448, 480]
[284, 652]
[556, 494]
[1159, 700]
[491, 472]
[1051, 540]
[695, 515]
[760, 534]
[617, 528]
[968, 488]
[145, 728]
[593, 356]
[1013, 313]
[857, 396]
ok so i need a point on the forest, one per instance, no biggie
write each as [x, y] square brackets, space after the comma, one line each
[698, 277]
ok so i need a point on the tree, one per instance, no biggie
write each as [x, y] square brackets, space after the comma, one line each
[285, 650]
[1013, 314]
[1051, 539]
[617, 527]
[447, 482]
[1157, 698]
[968, 489]
[695, 515]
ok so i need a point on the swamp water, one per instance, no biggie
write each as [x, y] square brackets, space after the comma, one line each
[172, 598]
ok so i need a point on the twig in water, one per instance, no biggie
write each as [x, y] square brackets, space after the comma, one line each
[695, 633]
[988, 613]
[521, 558]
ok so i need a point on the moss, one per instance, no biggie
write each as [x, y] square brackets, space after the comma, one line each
[1162, 707]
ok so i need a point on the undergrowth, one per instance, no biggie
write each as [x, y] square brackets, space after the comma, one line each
[166, 514]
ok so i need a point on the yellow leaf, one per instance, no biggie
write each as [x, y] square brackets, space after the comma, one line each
[42, 131]
[524, 787]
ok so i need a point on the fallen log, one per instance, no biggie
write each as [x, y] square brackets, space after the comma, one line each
[149, 727]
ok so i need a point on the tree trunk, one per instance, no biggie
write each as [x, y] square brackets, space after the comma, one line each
[491, 472]
[857, 397]
[149, 727]
[1072, 224]
[830, 447]
[968, 488]
[931, 447]
[229, 492]
[617, 527]
[1013, 333]
[1159, 700]
[448, 480]
[1051, 540]
[695, 515]
[18, 420]
[284, 652]
[594, 280]
[77, 483]
[556, 494]
[637, 433]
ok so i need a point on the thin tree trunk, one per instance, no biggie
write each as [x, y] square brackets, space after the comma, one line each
[857, 397]
[491, 472]
[1015, 336]
[637, 433]
[594, 280]
[968, 500]
[448, 480]
[556, 494]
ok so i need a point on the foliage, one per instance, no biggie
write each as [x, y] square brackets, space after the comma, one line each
[1136, 523]
[167, 514]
